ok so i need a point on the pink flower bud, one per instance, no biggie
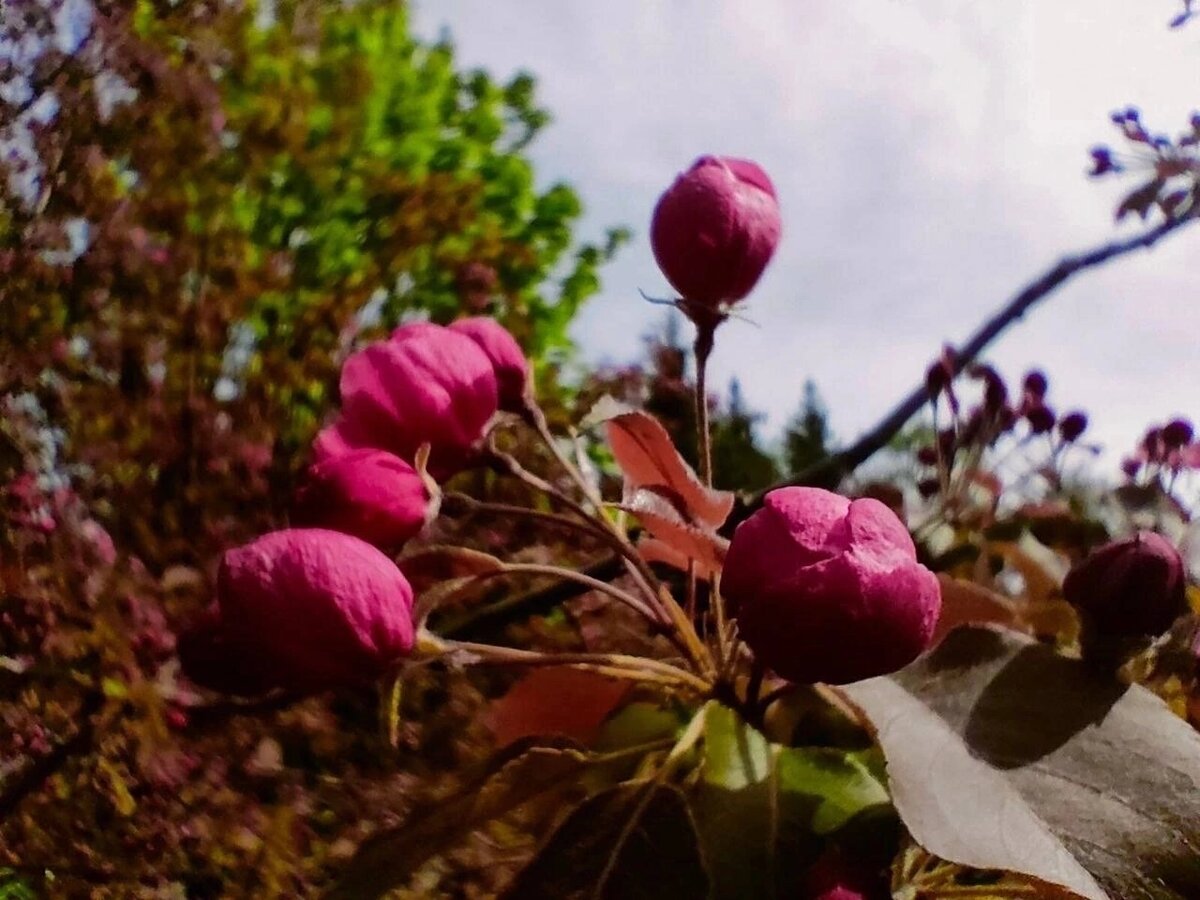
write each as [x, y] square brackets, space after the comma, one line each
[506, 355]
[715, 229]
[1129, 587]
[828, 589]
[427, 384]
[302, 609]
[834, 876]
[370, 494]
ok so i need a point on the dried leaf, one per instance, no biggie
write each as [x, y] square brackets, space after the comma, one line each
[1005, 755]
[644, 451]
[555, 700]
[626, 843]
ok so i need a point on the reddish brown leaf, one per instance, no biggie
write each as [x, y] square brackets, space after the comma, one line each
[674, 540]
[647, 458]
[967, 603]
[555, 701]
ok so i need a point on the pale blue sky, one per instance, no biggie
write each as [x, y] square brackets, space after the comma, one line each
[929, 157]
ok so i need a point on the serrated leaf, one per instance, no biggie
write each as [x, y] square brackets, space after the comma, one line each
[664, 517]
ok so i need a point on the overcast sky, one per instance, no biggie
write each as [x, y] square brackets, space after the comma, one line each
[929, 157]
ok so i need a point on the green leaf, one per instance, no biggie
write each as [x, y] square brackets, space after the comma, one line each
[636, 724]
[735, 755]
[762, 808]
[844, 783]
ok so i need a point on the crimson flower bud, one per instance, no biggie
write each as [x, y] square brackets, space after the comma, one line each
[835, 876]
[715, 229]
[1034, 386]
[425, 385]
[927, 456]
[1041, 418]
[1072, 425]
[1153, 445]
[829, 589]
[1177, 433]
[370, 494]
[995, 394]
[303, 609]
[1129, 587]
[506, 356]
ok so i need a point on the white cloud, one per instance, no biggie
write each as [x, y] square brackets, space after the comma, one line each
[929, 157]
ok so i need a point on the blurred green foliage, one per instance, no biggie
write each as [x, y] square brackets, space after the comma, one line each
[254, 192]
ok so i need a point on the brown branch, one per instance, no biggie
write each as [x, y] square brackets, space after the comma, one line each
[829, 472]
[832, 469]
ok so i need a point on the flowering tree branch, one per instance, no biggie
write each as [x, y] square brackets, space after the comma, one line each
[831, 470]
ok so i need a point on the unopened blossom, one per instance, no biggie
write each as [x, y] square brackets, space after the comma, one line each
[828, 589]
[371, 494]
[305, 609]
[715, 229]
[1130, 587]
[506, 356]
[424, 385]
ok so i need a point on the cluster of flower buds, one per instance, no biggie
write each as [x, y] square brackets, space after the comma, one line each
[1168, 448]
[427, 385]
[323, 605]
[1172, 165]
[829, 589]
[713, 233]
[995, 415]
